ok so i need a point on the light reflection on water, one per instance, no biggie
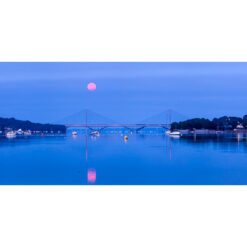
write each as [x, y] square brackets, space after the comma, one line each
[91, 175]
[142, 159]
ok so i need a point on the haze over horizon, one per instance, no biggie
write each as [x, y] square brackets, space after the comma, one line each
[126, 92]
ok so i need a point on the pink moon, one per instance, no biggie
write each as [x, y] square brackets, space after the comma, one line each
[91, 86]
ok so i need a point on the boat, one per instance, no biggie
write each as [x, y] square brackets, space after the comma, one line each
[27, 133]
[11, 134]
[74, 133]
[168, 132]
[19, 132]
[94, 133]
[126, 138]
[175, 133]
[239, 127]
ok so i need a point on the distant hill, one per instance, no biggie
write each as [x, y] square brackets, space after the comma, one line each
[15, 124]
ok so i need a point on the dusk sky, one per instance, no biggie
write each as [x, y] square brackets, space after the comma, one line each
[126, 92]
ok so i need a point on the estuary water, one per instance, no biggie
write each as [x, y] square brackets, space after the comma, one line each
[144, 159]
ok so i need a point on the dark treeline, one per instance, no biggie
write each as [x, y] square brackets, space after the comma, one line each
[222, 123]
[15, 124]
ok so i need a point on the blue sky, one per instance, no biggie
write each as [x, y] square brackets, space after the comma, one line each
[126, 92]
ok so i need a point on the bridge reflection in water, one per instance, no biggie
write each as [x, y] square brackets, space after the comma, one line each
[92, 121]
[91, 171]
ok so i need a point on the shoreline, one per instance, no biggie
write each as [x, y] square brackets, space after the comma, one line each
[212, 133]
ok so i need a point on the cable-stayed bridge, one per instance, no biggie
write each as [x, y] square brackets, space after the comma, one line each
[97, 122]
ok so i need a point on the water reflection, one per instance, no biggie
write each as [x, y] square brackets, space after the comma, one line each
[91, 172]
[170, 148]
[91, 176]
[146, 159]
[231, 144]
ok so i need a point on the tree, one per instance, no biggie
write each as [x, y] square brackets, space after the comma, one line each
[221, 123]
[27, 125]
[245, 121]
[225, 122]
[195, 123]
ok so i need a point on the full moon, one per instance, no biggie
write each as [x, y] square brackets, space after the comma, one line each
[91, 86]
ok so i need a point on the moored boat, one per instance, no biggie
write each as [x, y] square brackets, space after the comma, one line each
[27, 133]
[175, 133]
[11, 134]
[19, 132]
[94, 133]
[74, 133]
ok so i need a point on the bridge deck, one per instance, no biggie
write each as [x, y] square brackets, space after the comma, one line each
[118, 125]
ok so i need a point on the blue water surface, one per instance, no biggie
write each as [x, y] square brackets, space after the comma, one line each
[145, 159]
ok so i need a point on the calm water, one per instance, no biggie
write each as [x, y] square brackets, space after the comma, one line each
[109, 160]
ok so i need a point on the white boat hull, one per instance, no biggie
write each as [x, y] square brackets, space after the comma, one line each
[175, 133]
[95, 133]
[11, 135]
